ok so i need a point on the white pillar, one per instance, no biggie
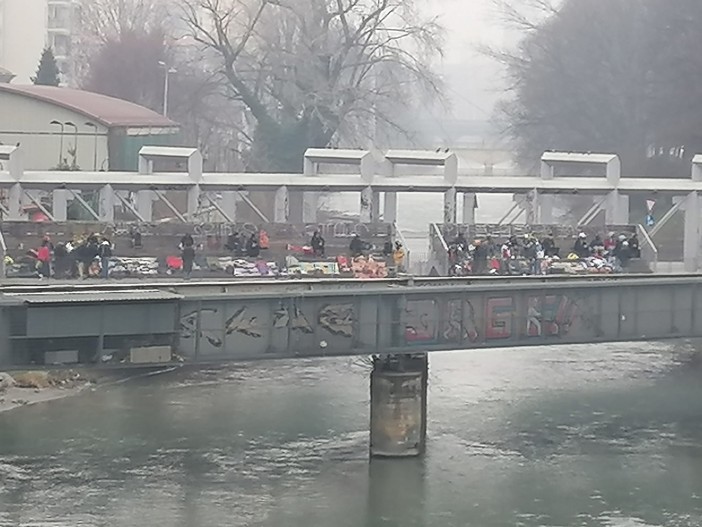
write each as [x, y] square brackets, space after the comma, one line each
[617, 209]
[59, 205]
[375, 206]
[106, 205]
[281, 208]
[14, 205]
[450, 206]
[295, 206]
[470, 204]
[144, 204]
[367, 205]
[193, 204]
[228, 204]
[390, 207]
[310, 204]
[691, 245]
[546, 209]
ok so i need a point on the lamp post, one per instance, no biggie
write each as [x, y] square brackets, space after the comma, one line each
[95, 145]
[75, 141]
[59, 123]
[168, 71]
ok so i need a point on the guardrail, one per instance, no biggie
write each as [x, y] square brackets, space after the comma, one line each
[3, 253]
[649, 251]
[439, 249]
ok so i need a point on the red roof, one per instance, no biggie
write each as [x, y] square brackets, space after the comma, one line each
[105, 110]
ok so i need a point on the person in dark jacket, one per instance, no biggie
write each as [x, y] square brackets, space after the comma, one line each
[234, 244]
[105, 253]
[387, 248]
[187, 253]
[187, 241]
[581, 247]
[356, 246]
[480, 256]
[61, 261]
[634, 247]
[318, 244]
[253, 248]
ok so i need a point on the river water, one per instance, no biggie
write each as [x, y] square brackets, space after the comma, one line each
[559, 436]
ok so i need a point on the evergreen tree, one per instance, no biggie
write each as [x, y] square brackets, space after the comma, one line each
[48, 71]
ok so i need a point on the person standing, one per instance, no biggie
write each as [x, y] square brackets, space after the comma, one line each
[44, 259]
[187, 254]
[318, 244]
[253, 247]
[105, 254]
[398, 257]
[356, 246]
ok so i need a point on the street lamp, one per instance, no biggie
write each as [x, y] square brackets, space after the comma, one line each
[168, 71]
[95, 146]
[75, 141]
[59, 123]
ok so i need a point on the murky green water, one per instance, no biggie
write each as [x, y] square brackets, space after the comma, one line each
[561, 436]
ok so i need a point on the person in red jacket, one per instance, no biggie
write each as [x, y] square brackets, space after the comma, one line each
[44, 259]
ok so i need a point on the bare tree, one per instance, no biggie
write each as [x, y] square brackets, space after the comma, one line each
[314, 72]
[103, 20]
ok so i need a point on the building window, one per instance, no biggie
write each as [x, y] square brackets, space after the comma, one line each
[61, 45]
[59, 17]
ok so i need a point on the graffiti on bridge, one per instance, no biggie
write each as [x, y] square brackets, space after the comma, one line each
[209, 325]
[518, 317]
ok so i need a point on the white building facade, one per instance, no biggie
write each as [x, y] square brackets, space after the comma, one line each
[27, 27]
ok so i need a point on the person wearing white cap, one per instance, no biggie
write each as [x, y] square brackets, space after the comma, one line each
[581, 246]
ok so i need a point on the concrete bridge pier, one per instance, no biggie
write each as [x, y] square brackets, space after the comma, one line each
[398, 422]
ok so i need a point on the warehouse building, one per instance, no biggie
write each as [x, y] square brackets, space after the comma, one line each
[67, 128]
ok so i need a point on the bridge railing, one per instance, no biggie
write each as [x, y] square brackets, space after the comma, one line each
[649, 251]
[3, 253]
[438, 250]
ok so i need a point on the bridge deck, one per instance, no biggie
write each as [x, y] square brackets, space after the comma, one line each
[206, 321]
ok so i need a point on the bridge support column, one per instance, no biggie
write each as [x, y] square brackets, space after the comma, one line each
[450, 206]
[144, 204]
[295, 206]
[370, 205]
[228, 204]
[390, 210]
[470, 203]
[281, 206]
[398, 423]
[106, 204]
[14, 202]
[616, 209]
[691, 243]
[310, 204]
[59, 204]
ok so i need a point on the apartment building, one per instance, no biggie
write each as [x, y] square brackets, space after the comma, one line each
[27, 26]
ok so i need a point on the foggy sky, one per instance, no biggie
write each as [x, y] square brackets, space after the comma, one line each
[474, 81]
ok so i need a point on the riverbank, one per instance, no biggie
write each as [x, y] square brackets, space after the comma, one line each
[26, 388]
[34, 387]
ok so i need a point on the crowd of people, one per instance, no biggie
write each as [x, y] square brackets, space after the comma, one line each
[530, 255]
[78, 258]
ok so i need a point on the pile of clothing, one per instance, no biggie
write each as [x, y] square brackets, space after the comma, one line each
[124, 266]
[319, 268]
[591, 265]
[368, 267]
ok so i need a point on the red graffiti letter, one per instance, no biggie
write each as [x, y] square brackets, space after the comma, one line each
[498, 318]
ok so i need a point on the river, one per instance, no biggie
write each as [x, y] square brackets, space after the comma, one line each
[591, 435]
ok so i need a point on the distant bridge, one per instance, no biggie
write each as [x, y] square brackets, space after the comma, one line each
[194, 196]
